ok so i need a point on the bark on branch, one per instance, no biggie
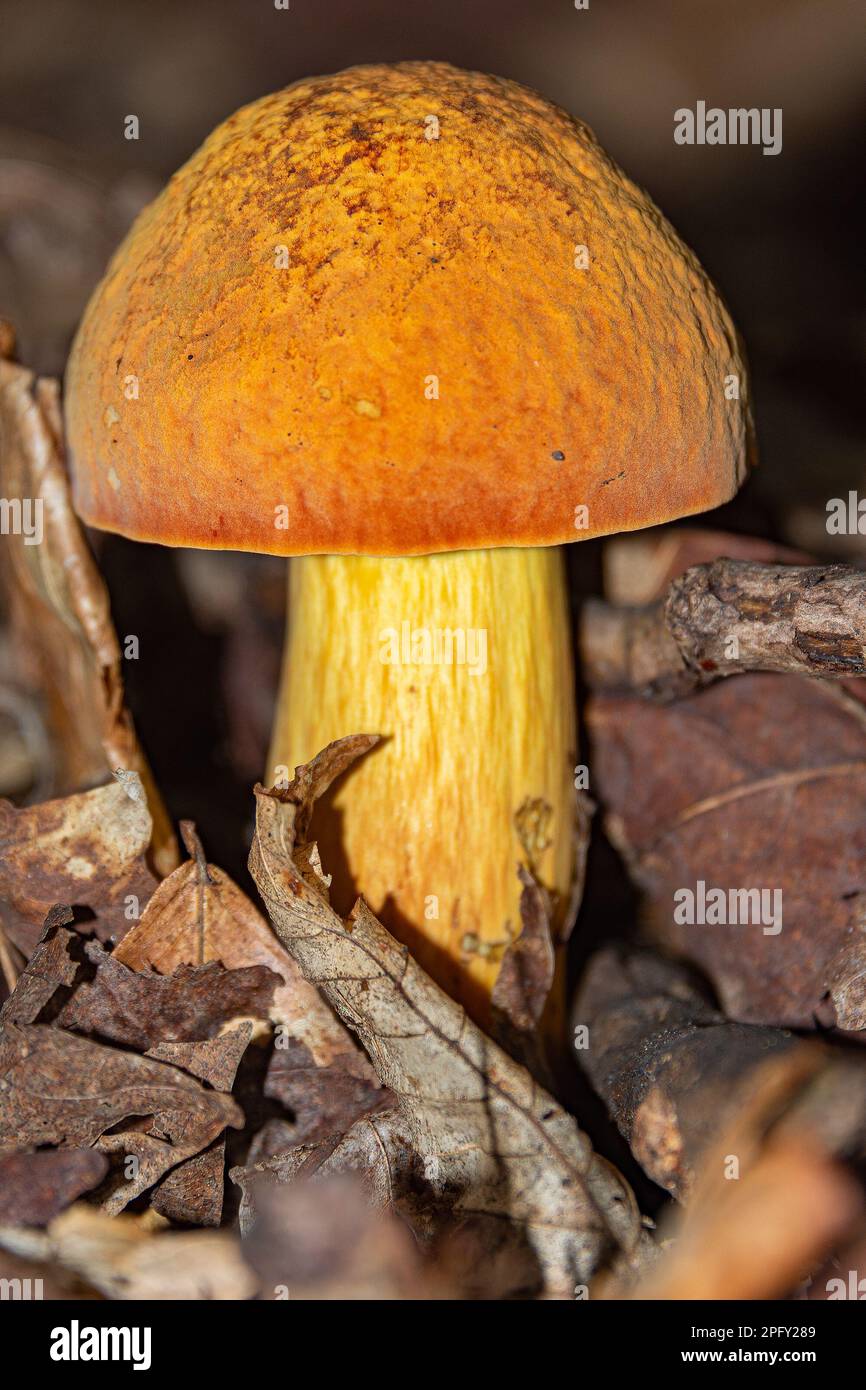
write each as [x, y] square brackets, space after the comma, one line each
[726, 618]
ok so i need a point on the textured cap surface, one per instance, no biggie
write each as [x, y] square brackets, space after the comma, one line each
[359, 319]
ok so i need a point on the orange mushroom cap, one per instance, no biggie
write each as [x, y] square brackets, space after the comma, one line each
[358, 320]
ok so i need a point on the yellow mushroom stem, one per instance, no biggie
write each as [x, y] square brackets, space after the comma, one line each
[463, 663]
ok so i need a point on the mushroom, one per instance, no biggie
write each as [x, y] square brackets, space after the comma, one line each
[412, 327]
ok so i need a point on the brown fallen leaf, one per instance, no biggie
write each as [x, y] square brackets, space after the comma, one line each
[491, 1142]
[59, 607]
[64, 1090]
[36, 1187]
[376, 1150]
[123, 1259]
[141, 1009]
[526, 973]
[198, 914]
[768, 1205]
[193, 1192]
[320, 1098]
[54, 963]
[671, 1068]
[163, 1128]
[324, 1241]
[88, 850]
[758, 783]
[639, 565]
[214, 1060]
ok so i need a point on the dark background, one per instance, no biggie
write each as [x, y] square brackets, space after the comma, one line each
[783, 237]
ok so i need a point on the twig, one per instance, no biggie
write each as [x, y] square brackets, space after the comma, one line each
[726, 618]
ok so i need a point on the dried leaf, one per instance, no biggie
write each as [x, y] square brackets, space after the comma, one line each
[526, 973]
[214, 1060]
[758, 783]
[672, 1069]
[68, 1091]
[36, 1187]
[490, 1140]
[323, 1241]
[750, 1232]
[193, 1192]
[51, 966]
[121, 1258]
[376, 1150]
[87, 850]
[141, 1009]
[62, 1089]
[60, 609]
[321, 1099]
[198, 914]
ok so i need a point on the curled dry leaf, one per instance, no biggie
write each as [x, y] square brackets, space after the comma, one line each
[121, 1258]
[198, 914]
[51, 965]
[88, 850]
[671, 1068]
[59, 607]
[526, 973]
[491, 1142]
[754, 784]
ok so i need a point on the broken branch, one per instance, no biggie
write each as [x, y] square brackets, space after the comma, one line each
[725, 618]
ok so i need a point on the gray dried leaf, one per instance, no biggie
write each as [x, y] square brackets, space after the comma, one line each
[60, 614]
[491, 1142]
